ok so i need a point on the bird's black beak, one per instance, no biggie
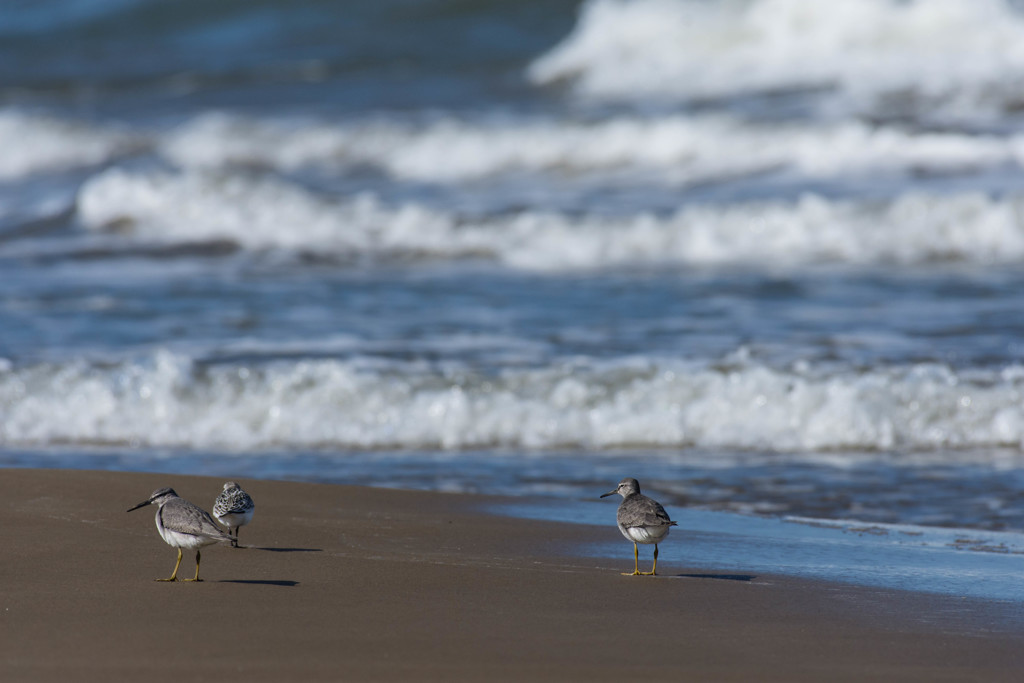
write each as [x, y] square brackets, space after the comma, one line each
[142, 504]
[610, 493]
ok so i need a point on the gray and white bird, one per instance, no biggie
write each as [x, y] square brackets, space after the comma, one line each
[233, 508]
[183, 525]
[641, 520]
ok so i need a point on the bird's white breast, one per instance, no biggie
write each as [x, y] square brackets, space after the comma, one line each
[645, 534]
[232, 519]
[180, 540]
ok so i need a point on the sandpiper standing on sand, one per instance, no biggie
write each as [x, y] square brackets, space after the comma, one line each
[182, 525]
[233, 508]
[641, 520]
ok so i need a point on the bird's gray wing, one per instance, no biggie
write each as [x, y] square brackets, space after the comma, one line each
[185, 518]
[240, 503]
[233, 503]
[657, 516]
[222, 505]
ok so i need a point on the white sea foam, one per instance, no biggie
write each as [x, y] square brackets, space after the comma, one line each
[965, 56]
[208, 206]
[263, 213]
[169, 400]
[34, 143]
[672, 149]
[256, 213]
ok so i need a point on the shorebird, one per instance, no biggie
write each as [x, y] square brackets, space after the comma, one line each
[233, 508]
[641, 520]
[182, 525]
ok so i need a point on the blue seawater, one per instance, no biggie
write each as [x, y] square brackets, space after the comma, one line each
[764, 256]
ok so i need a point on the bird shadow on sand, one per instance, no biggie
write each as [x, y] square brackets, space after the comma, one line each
[258, 582]
[288, 550]
[721, 577]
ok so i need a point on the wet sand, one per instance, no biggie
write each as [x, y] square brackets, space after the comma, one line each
[348, 583]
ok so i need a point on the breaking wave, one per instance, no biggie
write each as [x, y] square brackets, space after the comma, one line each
[260, 213]
[35, 144]
[672, 149]
[962, 58]
[668, 150]
[172, 400]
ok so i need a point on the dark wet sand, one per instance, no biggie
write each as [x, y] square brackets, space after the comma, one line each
[345, 583]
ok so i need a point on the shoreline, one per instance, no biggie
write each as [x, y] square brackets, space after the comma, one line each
[944, 495]
[941, 561]
[341, 582]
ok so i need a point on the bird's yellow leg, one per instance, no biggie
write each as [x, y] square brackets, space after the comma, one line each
[655, 567]
[174, 574]
[197, 569]
[636, 562]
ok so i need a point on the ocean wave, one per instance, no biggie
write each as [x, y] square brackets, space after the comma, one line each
[259, 213]
[667, 151]
[172, 400]
[673, 149]
[36, 144]
[962, 57]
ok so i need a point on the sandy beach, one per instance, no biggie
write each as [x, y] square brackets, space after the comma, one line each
[348, 583]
